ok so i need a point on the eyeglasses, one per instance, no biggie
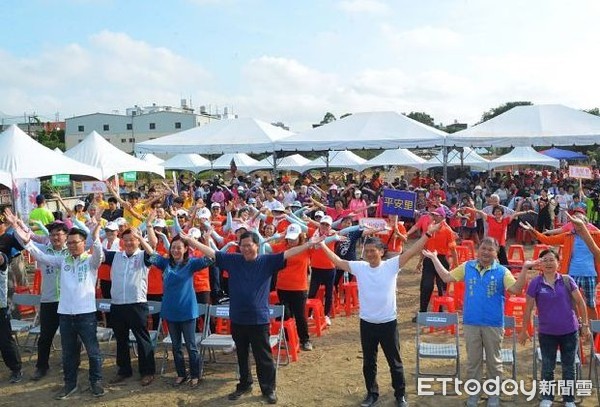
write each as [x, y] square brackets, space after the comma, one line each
[74, 242]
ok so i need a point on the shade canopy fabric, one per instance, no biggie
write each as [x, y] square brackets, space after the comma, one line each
[187, 162]
[294, 162]
[23, 157]
[469, 159]
[538, 125]
[5, 179]
[94, 150]
[150, 158]
[244, 135]
[561, 154]
[338, 159]
[398, 157]
[243, 162]
[524, 156]
[369, 130]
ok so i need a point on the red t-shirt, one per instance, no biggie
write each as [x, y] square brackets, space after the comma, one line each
[497, 230]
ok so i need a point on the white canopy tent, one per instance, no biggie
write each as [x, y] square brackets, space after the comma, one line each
[398, 157]
[386, 130]
[538, 125]
[469, 159]
[23, 157]
[243, 162]
[294, 162]
[94, 150]
[338, 159]
[524, 156]
[243, 135]
[150, 158]
[187, 162]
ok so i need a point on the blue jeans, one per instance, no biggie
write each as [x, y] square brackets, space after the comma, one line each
[188, 330]
[74, 328]
[568, 345]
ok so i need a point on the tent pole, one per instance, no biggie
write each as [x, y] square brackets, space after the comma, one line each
[445, 163]
[274, 165]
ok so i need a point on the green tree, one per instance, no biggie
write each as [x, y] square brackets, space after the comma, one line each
[595, 111]
[421, 117]
[501, 109]
[52, 139]
[328, 118]
[345, 115]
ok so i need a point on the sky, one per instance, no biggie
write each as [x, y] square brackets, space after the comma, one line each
[293, 61]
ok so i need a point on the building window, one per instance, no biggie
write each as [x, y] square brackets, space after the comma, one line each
[129, 126]
[152, 126]
[81, 128]
[123, 140]
[105, 127]
[132, 140]
[177, 125]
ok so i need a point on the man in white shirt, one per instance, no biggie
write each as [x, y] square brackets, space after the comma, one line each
[129, 306]
[376, 280]
[77, 306]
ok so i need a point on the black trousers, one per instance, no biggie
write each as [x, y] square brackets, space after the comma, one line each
[105, 286]
[428, 277]
[49, 322]
[324, 277]
[8, 345]
[295, 303]
[502, 259]
[134, 317]
[386, 335]
[256, 336]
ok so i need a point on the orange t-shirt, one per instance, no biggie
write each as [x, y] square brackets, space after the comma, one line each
[393, 243]
[442, 241]
[319, 259]
[155, 277]
[294, 276]
[201, 277]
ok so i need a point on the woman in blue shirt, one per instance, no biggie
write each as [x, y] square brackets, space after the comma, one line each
[179, 307]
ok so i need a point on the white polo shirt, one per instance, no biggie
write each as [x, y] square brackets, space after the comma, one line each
[129, 276]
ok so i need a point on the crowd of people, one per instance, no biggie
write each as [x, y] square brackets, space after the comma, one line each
[211, 241]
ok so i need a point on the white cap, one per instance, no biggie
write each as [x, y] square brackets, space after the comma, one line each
[358, 192]
[215, 205]
[121, 221]
[195, 233]
[278, 206]
[296, 204]
[240, 226]
[79, 202]
[319, 213]
[112, 226]
[181, 212]
[160, 223]
[252, 200]
[293, 231]
[333, 187]
[203, 213]
[327, 219]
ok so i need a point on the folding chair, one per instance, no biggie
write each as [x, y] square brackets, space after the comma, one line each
[104, 333]
[537, 354]
[509, 355]
[437, 350]
[213, 341]
[167, 342]
[277, 314]
[154, 308]
[19, 326]
[595, 354]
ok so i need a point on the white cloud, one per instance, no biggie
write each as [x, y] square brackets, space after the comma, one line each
[364, 6]
[422, 37]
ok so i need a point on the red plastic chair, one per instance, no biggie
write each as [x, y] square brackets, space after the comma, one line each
[516, 255]
[537, 249]
[315, 315]
[471, 245]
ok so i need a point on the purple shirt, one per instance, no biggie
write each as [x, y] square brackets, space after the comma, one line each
[554, 305]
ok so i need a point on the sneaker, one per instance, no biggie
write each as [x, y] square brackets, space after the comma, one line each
[548, 403]
[229, 350]
[238, 393]
[16, 376]
[306, 346]
[493, 401]
[369, 400]
[97, 389]
[473, 400]
[39, 374]
[327, 320]
[65, 393]
[271, 398]
[146, 380]
[401, 402]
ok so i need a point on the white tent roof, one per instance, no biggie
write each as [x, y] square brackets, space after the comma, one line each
[524, 156]
[399, 157]
[94, 150]
[5, 179]
[339, 159]
[188, 162]
[23, 157]
[243, 135]
[470, 159]
[366, 130]
[243, 162]
[538, 125]
[58, 150]
[294, 162]
[150, 158]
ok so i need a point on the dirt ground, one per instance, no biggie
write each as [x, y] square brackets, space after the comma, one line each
[331, 375]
